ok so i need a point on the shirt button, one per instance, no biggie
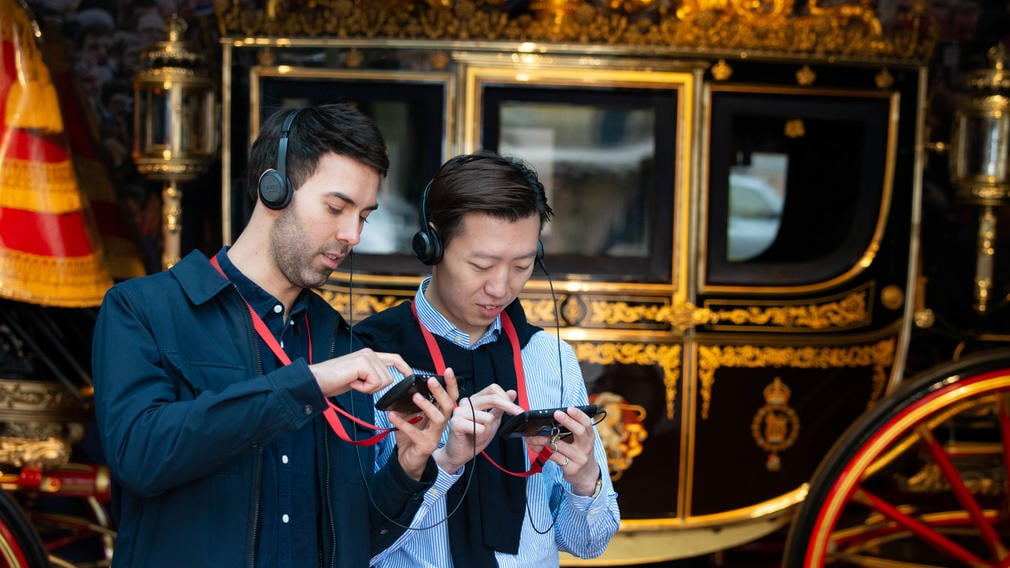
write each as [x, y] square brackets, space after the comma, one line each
[278, 309]
[285, 518]
[434, 492]
[307, 409]
[284, 459]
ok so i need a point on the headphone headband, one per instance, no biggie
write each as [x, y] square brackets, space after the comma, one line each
[282, 145]
[427, 242]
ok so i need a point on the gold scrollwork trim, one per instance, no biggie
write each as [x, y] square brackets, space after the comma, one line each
[850, 311]
[680, 315]
[541, 311]
[666, 356]
[48, 452]
[364, 304]
[847, 29]
[847, 312]
[879, 356]
[33, 396]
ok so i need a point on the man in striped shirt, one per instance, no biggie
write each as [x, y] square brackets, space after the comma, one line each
[481, 221]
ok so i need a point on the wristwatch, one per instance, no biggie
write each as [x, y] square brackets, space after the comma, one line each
[599, 486]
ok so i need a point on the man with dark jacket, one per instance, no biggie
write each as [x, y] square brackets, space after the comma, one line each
[220, 383]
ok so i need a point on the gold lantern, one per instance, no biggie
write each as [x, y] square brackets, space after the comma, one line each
[980, 159]
[173, 124]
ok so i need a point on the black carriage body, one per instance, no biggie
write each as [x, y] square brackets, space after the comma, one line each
[733, 256]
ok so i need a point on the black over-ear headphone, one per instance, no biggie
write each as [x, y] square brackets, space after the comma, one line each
[274, 186]
[427, 243]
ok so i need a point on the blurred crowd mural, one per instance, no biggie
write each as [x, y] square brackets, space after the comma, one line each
[101, 44]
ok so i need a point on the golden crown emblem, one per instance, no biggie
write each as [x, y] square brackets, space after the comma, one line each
[777, 392]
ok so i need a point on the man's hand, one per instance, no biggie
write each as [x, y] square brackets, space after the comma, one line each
[364, 370]
[474, 424]
[574, 453]
[416, 442]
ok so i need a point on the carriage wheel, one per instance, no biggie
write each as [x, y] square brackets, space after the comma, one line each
[919, 480]
[20, 544]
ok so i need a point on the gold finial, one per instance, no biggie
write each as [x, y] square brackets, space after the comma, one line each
[721, 70]
[806, 76]
[176, 28]
[884, 79]
[795, 128]
[997, 54]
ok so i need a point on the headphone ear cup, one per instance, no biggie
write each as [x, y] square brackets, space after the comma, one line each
[274, 190]
[427, 246]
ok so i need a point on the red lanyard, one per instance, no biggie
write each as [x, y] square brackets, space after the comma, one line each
[331, 411]
[537, 461]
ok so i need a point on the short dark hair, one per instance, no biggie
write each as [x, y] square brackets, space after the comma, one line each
[339, 128]
[485, 182]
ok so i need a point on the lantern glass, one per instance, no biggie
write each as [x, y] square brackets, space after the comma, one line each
[178, 120]
[982, 147]
[196, 137]
[154, 120]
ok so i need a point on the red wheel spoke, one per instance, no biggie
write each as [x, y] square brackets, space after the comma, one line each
[920, 529]
[961, 492]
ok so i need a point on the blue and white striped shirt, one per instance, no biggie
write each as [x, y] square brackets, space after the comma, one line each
[583, 526]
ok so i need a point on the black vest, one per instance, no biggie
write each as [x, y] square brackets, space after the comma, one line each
[490, 516]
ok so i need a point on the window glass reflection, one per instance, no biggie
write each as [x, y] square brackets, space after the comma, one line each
[596, 163]
[757, 191]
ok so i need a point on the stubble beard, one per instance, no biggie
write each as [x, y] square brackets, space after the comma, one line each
[294, 255]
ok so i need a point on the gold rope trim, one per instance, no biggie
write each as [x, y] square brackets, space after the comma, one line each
[49, 281]
[39, 187]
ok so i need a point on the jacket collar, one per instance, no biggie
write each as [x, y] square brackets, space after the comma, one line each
[199, 280]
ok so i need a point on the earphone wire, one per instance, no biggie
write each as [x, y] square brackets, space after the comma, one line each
[361, 468]
[557, 328]
[561, 380]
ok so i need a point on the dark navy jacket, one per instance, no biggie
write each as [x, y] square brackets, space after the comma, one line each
[184, 411]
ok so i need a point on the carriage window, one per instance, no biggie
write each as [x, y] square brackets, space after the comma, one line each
[607, 160]
[580, 155]
[796, 186]
[757, 187]
[408, 108]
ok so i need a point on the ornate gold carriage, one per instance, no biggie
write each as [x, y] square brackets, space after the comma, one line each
[736, 252]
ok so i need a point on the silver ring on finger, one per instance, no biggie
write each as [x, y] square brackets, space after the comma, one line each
[566, 461]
